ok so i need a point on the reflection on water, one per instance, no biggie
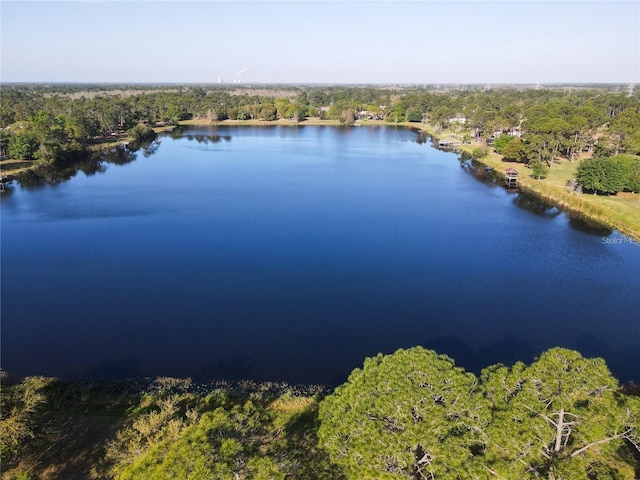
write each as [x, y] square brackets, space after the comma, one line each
[587, 226]
[236, 368]
[536, 205]
[91, 164]
[509, 350]
[115, 370]
[478, 171]
[208, 138]
[294, 255]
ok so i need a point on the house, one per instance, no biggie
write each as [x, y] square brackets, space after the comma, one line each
[458, 119]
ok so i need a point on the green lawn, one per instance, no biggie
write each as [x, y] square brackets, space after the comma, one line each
[621, 211]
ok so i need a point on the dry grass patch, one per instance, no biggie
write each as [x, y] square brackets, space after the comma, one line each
[291, 405]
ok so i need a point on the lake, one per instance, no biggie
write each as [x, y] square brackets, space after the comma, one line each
[291, 254]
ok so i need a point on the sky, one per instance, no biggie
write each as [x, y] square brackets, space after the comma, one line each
[320, 42]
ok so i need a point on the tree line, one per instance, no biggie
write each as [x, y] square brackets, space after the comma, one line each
[535, 127]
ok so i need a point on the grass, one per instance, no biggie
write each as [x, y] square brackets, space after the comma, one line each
[621, 211]
[14, 167]
[75, 425]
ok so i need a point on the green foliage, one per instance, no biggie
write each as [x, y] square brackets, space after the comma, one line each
[404, 415]
[502, 141]
[602, 175]
[414, 115]
[553, 123]
[631, 166]
[23, 145]
[397, 114]
[5, 136]
[226, 435]
[515, 151]
[268, 111]
[296, 112]
[561, 417]
[479, 152]
[20, 404]
[282, 106]
[218, 445]
[414, 414]
[538, 169]
[625, 126]
[141, 132]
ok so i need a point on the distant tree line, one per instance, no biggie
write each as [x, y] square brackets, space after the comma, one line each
[535, 127]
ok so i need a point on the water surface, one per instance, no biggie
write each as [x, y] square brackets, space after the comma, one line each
[293, 253]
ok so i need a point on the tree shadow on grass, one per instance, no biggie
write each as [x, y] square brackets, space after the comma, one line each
[313, 462]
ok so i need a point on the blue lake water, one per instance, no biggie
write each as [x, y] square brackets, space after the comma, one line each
[291, 254]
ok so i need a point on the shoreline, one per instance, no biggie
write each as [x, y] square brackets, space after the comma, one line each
[585, 206]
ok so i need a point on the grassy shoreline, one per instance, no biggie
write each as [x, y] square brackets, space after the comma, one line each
[620, 212]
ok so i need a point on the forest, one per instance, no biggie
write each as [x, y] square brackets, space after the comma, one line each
[412, 414]
[537, 127]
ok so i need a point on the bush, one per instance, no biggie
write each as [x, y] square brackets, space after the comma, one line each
[602, 175]
[516, 151]
[21, 404]
[502, 141]
[23, 145]
[631, 166]
[414, 115]
[479, 152]
[141, 132]
[538, 169]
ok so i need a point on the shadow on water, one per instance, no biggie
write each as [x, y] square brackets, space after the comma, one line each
[509, 350]
[477, 170]
[236, 368]
[535, 205]
[623, 363]
[588, 226]
[60, 172]
[116, 370]
[527, 201]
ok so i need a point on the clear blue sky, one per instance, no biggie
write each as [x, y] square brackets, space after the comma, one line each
[325, 41]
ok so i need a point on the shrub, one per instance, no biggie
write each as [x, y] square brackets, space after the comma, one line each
[141, 132]
[602, 175]
[502, 141]
[479, 152]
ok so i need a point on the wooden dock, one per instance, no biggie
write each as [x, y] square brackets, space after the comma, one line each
[4, 179]
[511, 178]
[449, 143]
